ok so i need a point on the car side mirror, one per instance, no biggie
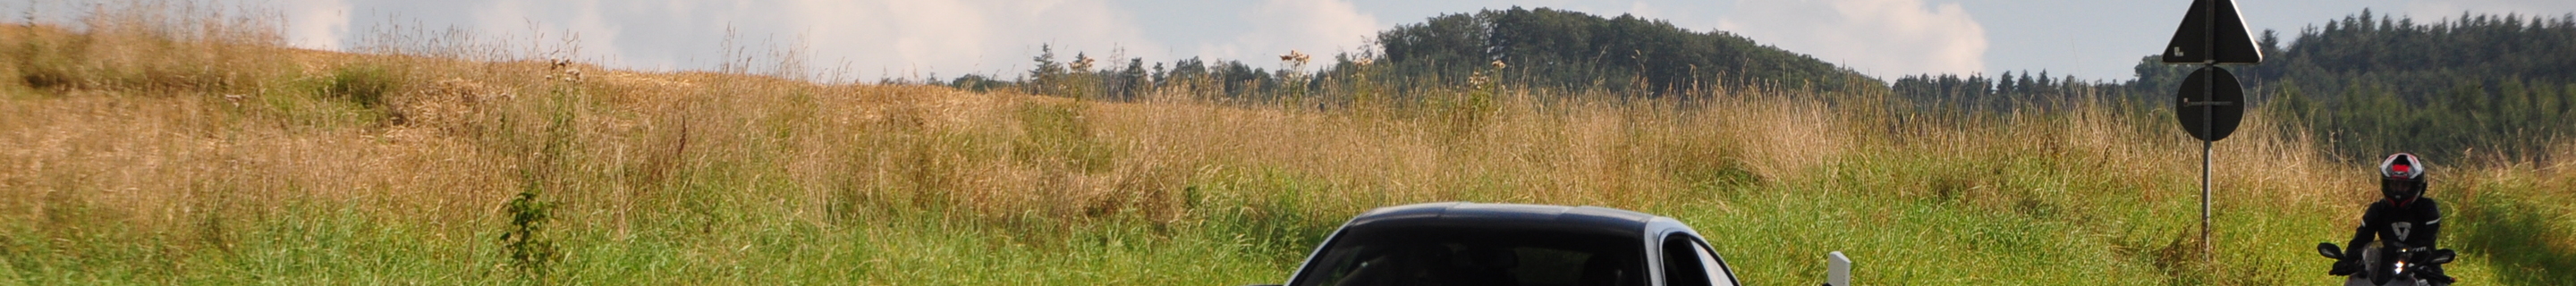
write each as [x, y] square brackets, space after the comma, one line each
[2441, 256]
[2329, 250]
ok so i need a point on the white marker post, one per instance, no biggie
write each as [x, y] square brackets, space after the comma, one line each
[1837, 269]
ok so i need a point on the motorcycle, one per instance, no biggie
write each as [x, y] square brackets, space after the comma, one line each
[2385, 262]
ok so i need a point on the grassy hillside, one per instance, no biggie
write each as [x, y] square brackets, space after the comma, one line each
[194, 149]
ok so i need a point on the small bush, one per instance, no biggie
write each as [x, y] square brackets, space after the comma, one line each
[46, 65]
[365, 85]
[44, 76]
[1057, 133]
[529, 254]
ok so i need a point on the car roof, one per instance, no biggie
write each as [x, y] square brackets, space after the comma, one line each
[1583, 219]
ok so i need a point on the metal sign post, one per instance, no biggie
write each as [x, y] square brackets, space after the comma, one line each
[2212, 34]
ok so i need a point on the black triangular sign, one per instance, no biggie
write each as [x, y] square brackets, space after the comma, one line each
[2213, 28]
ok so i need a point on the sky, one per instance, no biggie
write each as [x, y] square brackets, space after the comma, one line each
[875, 39]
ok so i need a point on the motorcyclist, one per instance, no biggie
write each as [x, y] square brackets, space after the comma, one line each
[2402, 215]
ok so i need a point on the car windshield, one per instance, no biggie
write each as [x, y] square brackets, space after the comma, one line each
[1457, 256]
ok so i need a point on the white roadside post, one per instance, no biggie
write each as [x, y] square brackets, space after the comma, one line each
[1837, 269]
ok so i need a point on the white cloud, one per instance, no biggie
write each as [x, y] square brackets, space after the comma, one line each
[1640, 9]
[1882, 37]
[595, 34]
[317, 24]
[903, 38]
[1315, 27]
[872, 38]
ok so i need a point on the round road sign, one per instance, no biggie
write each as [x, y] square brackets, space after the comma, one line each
[2210, 103]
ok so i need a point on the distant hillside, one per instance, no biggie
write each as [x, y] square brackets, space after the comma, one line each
[1558, 51]
[1572, 50]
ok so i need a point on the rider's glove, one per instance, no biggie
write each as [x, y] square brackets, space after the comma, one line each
[2435, 275]
[2345, 268]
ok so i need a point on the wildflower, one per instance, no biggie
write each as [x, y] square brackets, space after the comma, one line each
[1295, 57]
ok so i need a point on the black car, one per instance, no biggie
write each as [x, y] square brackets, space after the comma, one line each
[1457, 243]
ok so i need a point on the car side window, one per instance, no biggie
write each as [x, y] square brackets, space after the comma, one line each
[1715, 267]
[1681, 264]
[1688, 262]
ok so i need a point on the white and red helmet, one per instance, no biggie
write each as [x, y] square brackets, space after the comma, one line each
[2402, 166]
[2401, 178]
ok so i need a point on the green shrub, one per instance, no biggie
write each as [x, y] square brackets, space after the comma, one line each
[47, 65]
[1056, 133]
[529, 254]
[365, 85]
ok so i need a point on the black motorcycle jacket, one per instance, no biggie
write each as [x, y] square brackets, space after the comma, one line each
[2417, 223]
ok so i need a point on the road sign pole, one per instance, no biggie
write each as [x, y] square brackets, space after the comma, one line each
[2208, 249]
[2209, 26]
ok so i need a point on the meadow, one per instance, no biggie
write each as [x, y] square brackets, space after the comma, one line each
[155, 145]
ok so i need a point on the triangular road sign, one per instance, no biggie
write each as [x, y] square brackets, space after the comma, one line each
[2212, 29]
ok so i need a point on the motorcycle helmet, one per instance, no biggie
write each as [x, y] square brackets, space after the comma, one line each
[2401, 178]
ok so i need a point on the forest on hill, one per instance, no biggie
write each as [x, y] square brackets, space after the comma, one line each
[2481, 88]
[2478, 87]
[2489, 88]
[1569, 50]
[1520, 48]
[2473, 87]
